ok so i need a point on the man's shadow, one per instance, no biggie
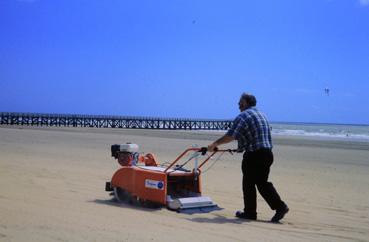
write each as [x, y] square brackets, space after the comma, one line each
[219, 219]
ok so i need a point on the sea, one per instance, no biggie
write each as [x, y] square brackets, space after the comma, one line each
[330, 131]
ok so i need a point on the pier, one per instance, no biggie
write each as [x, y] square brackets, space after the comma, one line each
[104, 121]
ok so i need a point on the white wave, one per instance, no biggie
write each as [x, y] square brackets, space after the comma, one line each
[300, 132]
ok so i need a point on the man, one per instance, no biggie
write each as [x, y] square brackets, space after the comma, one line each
[252, 131]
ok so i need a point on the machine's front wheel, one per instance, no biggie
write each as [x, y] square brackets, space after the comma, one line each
[120, 195]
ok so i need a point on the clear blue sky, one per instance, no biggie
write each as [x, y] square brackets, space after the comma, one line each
[186, 58]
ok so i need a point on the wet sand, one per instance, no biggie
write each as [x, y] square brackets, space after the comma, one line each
[52, 189]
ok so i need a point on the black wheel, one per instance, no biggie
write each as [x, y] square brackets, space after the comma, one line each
[120, 195]
[150, 204]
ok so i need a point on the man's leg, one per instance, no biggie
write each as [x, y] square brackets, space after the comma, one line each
[249, 196]
[248, 186]
[266, 189]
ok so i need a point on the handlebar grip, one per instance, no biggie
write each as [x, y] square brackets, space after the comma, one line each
[203, 150]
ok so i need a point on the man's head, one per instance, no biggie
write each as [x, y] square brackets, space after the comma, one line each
[246, 101]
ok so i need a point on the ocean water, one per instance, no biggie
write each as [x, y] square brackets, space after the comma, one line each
[334, 131]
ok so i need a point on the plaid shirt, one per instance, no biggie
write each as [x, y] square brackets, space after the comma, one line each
[252, 131]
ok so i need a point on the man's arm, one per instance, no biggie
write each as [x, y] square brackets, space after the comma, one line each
[223, 140]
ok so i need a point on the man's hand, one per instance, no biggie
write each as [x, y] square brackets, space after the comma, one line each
[212, 147]
[223, 140]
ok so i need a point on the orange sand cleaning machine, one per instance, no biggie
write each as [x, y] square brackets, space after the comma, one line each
[142, 180]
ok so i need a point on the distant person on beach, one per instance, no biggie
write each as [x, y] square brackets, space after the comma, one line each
[252, 131]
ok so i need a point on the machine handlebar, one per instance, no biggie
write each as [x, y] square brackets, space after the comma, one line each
[203, 151]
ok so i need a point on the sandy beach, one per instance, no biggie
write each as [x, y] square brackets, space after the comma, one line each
[52, 184]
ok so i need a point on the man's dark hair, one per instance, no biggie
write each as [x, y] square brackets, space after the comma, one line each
[250, 99]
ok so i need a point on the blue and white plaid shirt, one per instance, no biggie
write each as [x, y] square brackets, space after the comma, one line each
[252, 131]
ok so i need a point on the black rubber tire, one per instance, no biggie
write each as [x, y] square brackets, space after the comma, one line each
[120, 195]
[123, 196]
[152, 205]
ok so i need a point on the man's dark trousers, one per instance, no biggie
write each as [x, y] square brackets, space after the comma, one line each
[255, 169]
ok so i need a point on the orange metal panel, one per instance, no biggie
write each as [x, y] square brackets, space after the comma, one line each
[123, 178]
[145, 184]
[151, 185]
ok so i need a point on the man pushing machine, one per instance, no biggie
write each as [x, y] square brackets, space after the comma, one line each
[252, 131]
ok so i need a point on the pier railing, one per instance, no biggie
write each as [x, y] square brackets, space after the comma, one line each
[103, 121]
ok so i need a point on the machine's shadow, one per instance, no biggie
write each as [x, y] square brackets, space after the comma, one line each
[130, 205]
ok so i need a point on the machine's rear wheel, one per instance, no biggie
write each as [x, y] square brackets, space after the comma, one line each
[149, 204]
[123, 196]
[120, 195]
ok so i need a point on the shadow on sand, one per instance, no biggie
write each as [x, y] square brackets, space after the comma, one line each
[130, 205]
[219, 219]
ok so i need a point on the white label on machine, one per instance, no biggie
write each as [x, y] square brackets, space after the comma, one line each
[154, 184]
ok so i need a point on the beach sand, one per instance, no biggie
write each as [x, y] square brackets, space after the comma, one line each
[52, 184]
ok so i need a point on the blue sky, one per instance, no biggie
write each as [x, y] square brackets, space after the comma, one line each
[186, 58]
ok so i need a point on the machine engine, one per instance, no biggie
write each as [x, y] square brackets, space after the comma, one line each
[127, 155]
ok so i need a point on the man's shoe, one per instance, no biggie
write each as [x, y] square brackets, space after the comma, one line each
[244, 215]
[280, 213]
